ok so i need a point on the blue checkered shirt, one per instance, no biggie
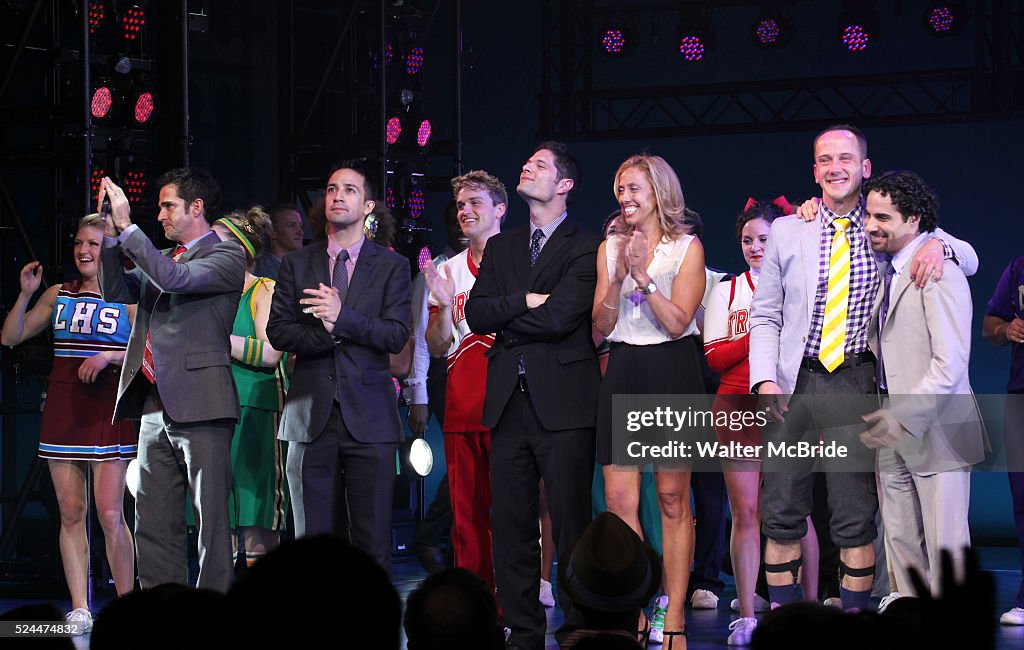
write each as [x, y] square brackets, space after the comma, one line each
[863, 282]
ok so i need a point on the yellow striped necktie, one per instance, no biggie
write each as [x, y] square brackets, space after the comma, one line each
[833, 331]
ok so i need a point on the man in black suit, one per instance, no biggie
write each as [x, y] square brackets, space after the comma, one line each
[342, 305]
[535, 290]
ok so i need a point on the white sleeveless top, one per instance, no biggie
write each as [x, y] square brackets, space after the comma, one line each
[637, 324]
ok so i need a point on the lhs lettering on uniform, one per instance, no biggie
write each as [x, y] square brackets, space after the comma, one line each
[81, 321]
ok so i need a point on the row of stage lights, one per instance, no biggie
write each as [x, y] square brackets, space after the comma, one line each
[857, 28]
[134, 183]
[105, 104]
[131, 22]
[123, 97]
[393, 132]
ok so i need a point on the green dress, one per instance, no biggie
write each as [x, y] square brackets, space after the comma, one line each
[259, 490]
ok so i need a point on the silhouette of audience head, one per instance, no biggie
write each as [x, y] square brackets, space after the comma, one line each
[609, 574]
[453, 610]
[38, 612]
[166, 616]
[313, 590]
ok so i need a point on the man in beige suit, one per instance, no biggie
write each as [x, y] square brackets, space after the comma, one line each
[929, 432]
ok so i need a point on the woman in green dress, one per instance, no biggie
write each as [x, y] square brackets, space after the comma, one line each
[259, 498]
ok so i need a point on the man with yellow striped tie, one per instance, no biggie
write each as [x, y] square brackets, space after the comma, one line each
[808, 340]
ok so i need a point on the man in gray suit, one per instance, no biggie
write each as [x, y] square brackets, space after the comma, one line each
[342, 305]
[176, 375]
[930, 431]
[808, 337]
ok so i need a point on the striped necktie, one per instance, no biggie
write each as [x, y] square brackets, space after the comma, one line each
[148, 367]
[833, 331]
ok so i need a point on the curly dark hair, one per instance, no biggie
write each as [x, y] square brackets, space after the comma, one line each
[759, 210]
[909, 193]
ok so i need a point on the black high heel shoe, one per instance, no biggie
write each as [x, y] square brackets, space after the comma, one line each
[670, 638]
[644, 633]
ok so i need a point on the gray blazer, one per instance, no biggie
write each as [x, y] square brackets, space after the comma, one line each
[780, 316]
[926, 346]
[189, 307]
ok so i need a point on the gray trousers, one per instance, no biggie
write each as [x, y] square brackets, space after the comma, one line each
[179, 460]
[924, 514]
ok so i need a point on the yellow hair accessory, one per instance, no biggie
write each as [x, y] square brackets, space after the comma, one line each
[238, 233]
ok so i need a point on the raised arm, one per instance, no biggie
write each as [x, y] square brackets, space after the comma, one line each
[221, 270]
[23, 323]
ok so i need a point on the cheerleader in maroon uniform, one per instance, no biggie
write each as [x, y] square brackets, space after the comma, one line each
[727, 347]
[90, 337]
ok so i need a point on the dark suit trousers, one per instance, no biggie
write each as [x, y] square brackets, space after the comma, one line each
[523, 451]
[178, 459]
[709, 499]
[344, 487]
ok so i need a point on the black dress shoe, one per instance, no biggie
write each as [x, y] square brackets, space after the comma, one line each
[431, 557]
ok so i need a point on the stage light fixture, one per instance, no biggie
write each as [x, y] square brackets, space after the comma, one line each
[414, 458]
[414, 61]
[389, 197]
[102, 102]
[695, 35]
[393, 130]
[613, 41]
[133, 22]
[96, 179]
[416, 203]
[389, 53]
[424, 257]
[134, 185]
[858, 25]
[423, 133]
[617, 35]
[97, 14]
[946, 18]
[144, 107]
[771, 29]
[692, 47]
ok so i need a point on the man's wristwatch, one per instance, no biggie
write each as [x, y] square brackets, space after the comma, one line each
[649, 289]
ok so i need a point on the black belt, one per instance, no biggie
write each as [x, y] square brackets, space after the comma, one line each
[813, 364]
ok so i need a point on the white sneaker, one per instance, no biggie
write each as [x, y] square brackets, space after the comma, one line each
[704, 599]
[760, 604]
[833, 602]
[889, 600]
[547, 598]
[1013, 617]
[82, 618]
[742, 630]
[657, 634]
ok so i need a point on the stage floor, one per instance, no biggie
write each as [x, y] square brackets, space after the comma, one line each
[707, 628]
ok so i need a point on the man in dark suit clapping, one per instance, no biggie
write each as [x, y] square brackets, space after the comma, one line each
[342, 305]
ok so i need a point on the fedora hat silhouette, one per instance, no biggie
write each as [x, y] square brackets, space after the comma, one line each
[609, 569]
